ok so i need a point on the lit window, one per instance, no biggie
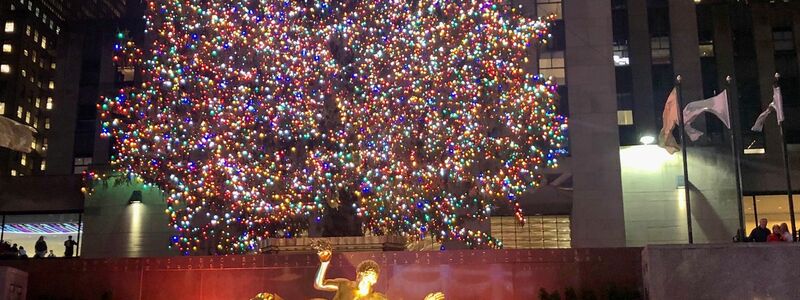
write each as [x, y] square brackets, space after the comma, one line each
[127, 73]
[49, 103]
[7, 48]
[13, 8]
[547, 7]
[38, 102]
[30, 5]
[28, 30]
[19, 112]
[37, 12]
[25, 52]
[44, 164]
[27, 117]
[44, 42]
[13, 172]
[36, 36]
[552, 231]
[35, 122]
[707, 50]
[621, 55]
[660, 50]
[751, 151]
[33, 144]
[24, 74]
[53, 66]
[2, 108]
[47, 123]
[52, 85]
[44, 144]
[23, 160]
[58, 30]
[551, 64]
[624, 117]
[9, 26]
[5, 68]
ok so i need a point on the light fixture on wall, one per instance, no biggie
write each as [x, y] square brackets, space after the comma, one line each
[647, 139]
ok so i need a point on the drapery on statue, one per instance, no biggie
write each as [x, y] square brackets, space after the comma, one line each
[361, 289]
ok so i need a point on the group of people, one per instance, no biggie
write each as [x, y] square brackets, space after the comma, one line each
[8, 250]
[779, 233]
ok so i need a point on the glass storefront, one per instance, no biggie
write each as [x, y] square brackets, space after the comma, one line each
[25, 230]
[550, 231]
[773, 207]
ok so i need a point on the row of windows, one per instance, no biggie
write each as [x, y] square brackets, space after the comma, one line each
[37, 12]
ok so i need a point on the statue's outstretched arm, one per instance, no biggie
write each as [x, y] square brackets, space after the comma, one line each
[319, 281]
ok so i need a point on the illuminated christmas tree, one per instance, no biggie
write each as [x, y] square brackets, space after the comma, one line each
[254, 115]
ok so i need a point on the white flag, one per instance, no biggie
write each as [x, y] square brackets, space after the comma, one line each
[717, 105]
[15, 136]
[776, 105]
[670, 120]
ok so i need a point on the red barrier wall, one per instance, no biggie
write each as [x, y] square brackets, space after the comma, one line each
[497, 274]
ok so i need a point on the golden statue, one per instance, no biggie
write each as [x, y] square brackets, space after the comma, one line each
[360, 289]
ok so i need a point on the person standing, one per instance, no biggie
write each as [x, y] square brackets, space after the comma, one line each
[787, 236]
[69, 246]
[51, 254]
[775, 236]
[22, 252]
[40, 247]
[760, 233]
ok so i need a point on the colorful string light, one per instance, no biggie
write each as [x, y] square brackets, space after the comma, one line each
[254, 116]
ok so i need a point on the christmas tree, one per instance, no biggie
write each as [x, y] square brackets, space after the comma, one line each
[254, 116]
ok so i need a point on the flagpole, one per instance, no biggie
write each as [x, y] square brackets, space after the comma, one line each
[786, 167]
[679, 93]
[736, 160]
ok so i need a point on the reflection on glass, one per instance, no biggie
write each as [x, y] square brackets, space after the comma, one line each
[25, 230]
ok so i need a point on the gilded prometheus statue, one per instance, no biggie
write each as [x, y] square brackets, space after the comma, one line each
[360, 289]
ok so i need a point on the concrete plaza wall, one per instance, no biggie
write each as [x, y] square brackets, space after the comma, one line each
[726, 271]
[654, 198]
[493, 274]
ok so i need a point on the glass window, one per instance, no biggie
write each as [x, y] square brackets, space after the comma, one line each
[552, 231]
[19, 112]
[621, 55]
[7, 48]
[49, 103]
[27, 117]
[13, 172]
[707, 50]
[28, 30]
[36, 36]
[127, 73]
[44, 42]
[547, 7]
[24, 230]
[660, 50]
[23, 159]
[9, 26]
[38, 102]
[43, 165]
[4, 68]
[53, 66]
[51, 85]
[783, 40]
[24, 74]
[44, 144]
[551, 64]
[2, 108]
[624, 117]
[47, 123]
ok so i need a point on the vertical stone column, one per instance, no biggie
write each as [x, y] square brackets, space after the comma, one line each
[641, 69]
[685, 50]
[597, 214]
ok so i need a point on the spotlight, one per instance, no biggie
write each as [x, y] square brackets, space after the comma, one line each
[647, 139]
